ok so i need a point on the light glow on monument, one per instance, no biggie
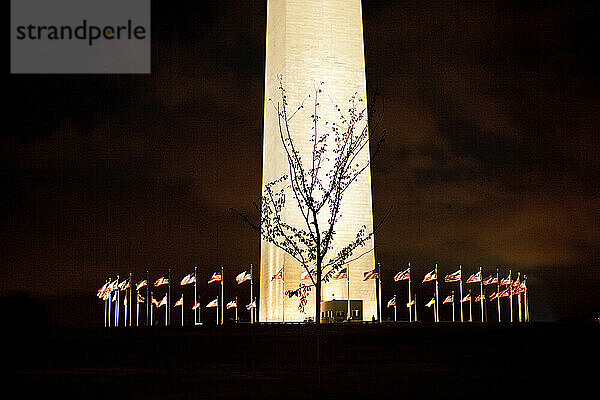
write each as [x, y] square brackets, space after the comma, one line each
[309, 44]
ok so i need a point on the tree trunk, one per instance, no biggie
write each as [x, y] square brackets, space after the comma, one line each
[318, 322]
[318, 292]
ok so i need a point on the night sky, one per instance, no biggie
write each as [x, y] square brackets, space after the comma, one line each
[492, 113]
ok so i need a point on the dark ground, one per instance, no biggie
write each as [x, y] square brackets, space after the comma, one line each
[417, 361]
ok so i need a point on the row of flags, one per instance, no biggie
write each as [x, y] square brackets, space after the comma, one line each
[516, 285]
[111, 289]
[506, 287]
[115, 285]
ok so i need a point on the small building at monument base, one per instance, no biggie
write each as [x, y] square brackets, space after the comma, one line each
[337, 311]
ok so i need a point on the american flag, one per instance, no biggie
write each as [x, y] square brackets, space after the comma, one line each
[114, 297]
[155, 302]
[431, 302]
[392, 302]
[114, 285]
[493, 296]
[341, 274]
[449, 299]
[243, 277]
[506, 281]
[453, 277]
[125, 284]
[216, 277]
[523, 287]
[103, 290]
[196, 306]
[373, 274]
[490, 280]
[432, 276]
[188, 279]
[163, 302]
[251, 305]
[231, 304]
[410, 303]
[140, 298]
[478, 298]
[305, 274]
[504, 293]
[476, 277]
[106, 295]
[466, 298]
[278, 275]
[402, 276]
[179, 302]
[141, 284]
[161, 281]
[213, 303]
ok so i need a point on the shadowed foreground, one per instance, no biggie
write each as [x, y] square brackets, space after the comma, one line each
[418, 361]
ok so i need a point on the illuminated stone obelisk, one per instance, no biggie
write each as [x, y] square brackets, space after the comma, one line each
[308, 42]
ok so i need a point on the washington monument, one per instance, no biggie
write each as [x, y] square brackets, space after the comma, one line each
[310, 42]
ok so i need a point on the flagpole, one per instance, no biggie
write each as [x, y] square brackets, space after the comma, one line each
[137, 308]
[169, 300]
[222, 296]
[109, 302]
[236, 309]
[251, 295]
[117, 308]
[167, 306]
[195, 295]
[117, 305]
[182, 307]
[498, 291]
[525, 299]
[110, 296]
[218, 305]
[481, 290]
[151, 300]
[416, 318]
[485, 307]
[110, 308]
[453, 320]
[379, 283]
[106, 307]
[126, 309]
[148, 305]
[519, 297]
[462, 319]
[349, 315]
[510, 293]
[437, 303]
[410, 298]
[470, 306]
[129, 303]
[395, 319]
